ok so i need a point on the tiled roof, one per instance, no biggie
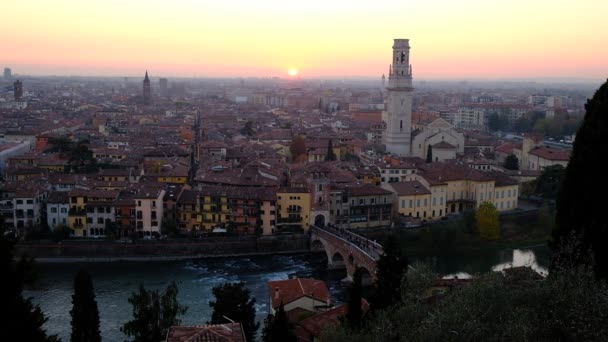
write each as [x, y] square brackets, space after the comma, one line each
[228, 332]
[410, 188]
[551, 153]
[286, 291]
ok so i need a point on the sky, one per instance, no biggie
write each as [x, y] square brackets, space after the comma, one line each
[450, 39]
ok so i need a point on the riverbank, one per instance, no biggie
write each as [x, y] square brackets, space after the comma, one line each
[166, 250]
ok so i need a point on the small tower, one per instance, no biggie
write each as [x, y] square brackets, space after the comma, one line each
[147, 90]
[18, 90]
[383, 81]
[398, 113]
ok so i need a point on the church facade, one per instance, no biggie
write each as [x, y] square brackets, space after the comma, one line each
[446, 142]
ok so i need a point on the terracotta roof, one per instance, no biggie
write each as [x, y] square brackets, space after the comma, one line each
[551, 153]
[313, 326]
[444, 145]
[363, 189]
[286, 291]
[410, 188]
[229, 332]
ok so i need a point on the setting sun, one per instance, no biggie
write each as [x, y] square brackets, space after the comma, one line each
[293, 72]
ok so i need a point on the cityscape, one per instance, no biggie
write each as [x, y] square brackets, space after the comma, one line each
[282, 193]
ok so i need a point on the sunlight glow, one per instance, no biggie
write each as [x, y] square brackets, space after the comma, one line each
[293, 72]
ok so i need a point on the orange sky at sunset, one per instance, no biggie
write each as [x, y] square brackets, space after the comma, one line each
[329, 38]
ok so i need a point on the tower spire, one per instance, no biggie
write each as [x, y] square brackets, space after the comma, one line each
[146, 78]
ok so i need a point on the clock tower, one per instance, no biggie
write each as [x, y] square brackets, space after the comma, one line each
[397, 116]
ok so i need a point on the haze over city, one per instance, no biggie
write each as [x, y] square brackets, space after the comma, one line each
[452, 39]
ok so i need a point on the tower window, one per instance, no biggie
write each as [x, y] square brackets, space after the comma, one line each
[401, 125]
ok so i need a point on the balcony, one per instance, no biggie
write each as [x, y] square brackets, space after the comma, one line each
[289, 220]
[294, 210]
[77, 212]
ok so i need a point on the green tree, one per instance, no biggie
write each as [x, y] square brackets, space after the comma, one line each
[233, 302]
[330, 156]
[429, 154]
[297, 147]
[486, 221]
[517, 305]
[511, 162]
[169, 227]
[61, 232]
[153, 313]
[81, 159]
[354, 314]
[549, 182]
[85, 315]
[279, 329]
[20, 319]
[496, 122]
[391, 267]
[580, 202]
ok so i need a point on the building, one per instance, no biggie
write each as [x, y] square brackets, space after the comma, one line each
[534, 155]
[227, 332]
[293, 209]
[8, 73]
[57, 207]
[446, 142]
[18, 90]
[101, 212]
[360, 206]
[149, 211]
[413, 199]
[163, 86]
[300, 297]
[147, 90]
[398, 115]
[28, 204]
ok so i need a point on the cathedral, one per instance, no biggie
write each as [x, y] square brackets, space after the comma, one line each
[397, 116]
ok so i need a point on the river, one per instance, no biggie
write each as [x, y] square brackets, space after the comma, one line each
[114, 282]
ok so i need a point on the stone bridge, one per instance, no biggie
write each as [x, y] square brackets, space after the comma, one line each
[346, 249]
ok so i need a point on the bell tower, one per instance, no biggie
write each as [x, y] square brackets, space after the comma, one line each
[397, 116]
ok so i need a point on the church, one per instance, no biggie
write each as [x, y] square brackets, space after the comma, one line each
[398, 138]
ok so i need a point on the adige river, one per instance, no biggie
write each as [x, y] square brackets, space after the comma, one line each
[114, 281]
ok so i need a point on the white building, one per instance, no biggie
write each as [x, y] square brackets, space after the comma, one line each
[149, 211]
[446, 141]
[398, 115]
[28, 205]
[57, 208]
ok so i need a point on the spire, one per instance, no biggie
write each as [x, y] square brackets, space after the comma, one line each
[146, 78]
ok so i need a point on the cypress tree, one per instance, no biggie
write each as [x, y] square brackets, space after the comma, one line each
[233, 302]
[391, 267]
[354, 313]
[20, 319]
[429, 154]
[279, 328]
[85, 315]
[581, 232]
[330, 156]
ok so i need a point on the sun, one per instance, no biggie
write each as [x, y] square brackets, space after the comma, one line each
[292, 72]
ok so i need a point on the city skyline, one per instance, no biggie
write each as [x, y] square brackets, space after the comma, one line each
[475, 39]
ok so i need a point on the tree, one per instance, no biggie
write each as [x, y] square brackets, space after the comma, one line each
[496, 122]
[391, 267]
[279, 329]
[248, 129]
[511, 162]
[170, 227]
[580, 202]
[61, 232]
[486, 221]
[429, 154]
[548, 183]
[297, 147]
[233, 302]
[20, 319]
[85, 316]
[81, 159]
[153, 313]
[354, 313]
[330, 156]
[514, 305]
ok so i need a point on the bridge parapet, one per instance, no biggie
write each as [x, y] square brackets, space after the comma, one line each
[356, 250]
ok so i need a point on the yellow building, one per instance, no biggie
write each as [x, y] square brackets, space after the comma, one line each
[412, 199]
[212, 207]
[77, 215]
[188, 217]
[293, 208]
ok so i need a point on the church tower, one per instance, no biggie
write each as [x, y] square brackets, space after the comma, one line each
[398, 112]
[147, 93]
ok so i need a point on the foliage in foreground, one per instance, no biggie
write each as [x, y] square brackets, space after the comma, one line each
[233, 302]
[153, 313]
[569, 305]
[85, 315]
[486, 221]
[20, 319]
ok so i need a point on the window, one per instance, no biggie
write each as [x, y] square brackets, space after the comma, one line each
[402, 203]
[19, 201]
[139, 203]
[411, 203]
[64, 210]
[418, 202]
[89, 220]
[53, 210]
[100, 220]
[425, 202]
[441, 201]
